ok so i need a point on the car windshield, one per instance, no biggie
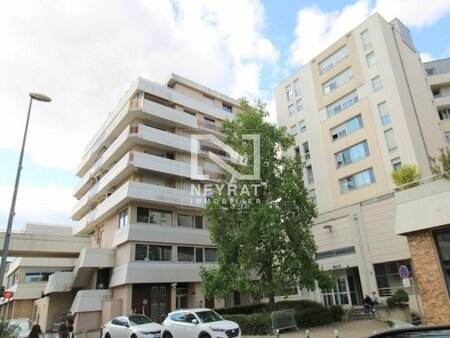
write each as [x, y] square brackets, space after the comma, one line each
[139, 320]
[208, 316]
[21, 325]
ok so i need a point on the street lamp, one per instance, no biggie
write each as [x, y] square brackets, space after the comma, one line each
[37, 97]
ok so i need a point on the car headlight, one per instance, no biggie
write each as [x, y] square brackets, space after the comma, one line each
[217, 329]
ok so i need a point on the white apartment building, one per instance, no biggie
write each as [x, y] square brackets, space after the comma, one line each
[136, 201]
[358, 111]
[438, 74]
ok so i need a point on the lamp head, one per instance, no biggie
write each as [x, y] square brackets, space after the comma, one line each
[40, 97]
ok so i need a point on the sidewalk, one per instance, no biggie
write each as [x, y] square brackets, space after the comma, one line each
[355, 329]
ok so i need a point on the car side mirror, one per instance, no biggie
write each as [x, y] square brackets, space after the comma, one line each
[194, 321]
[126, 325]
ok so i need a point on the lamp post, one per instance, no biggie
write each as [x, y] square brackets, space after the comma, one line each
[37, 97]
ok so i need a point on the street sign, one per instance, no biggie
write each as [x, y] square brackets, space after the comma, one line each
[403, 271]
[406, 282]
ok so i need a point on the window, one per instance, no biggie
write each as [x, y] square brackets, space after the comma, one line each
[388, 278]
[312, 195]
[153, 216]
[227, 107]
[185, 254]
[352, 154]
[189, 112]
[199, 255]
[333, 60]
[291, 110]
[299, 105]
[343, 103]
[436, 92]
[210, 255]
[297, 89]
[365, 38]
[31, 275]
[390, 140]
[123, 218]
[346, 128]
[384, 113]
[335, 253]
[155, 253]
[447, 136]
[371, 60]
[190, 221]
[294, 129]
[289, 93]
[297, 151]
[430, 71]
[377, 84]
[444, 114]
[337, 81]
[208, 100]
[302, 125]
[396, 163]
[309, 174]
[357, 180]
[209, 123]
[306, 153]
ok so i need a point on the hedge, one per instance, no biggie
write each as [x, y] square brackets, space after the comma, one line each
[254, 319]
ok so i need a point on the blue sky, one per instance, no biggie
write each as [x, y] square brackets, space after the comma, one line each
[86, 54]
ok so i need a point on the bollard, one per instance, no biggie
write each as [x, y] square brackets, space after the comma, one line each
[336, 334]
[307, 334]
[277, 332]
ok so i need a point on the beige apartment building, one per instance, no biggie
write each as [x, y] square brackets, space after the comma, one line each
[358, 111]
[137, 203]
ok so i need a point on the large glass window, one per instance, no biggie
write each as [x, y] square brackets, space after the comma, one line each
[337, 81]
[388, 277]
[153, 216]
[185, 254]
[331, 61]
[190, 221]
[346, 128]
[357, 180]
[442, 240]
[123, 218]
[210, 255]
[343, 103]
[148, 252]
[352, 154]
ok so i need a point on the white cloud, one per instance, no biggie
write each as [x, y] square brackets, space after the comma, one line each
[426, 57]
[317, 29]
[85, 54]
[47, 204]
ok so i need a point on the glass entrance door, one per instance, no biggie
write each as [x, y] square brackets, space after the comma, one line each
[340, 295]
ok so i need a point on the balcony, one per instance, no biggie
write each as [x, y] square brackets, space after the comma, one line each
[89, 300]
[133, 134]
[442, 101]
[156, 272]
[132, 161]
[28, 290]
[59, 282]
[90, 260]
[161, 234]
[141, 192]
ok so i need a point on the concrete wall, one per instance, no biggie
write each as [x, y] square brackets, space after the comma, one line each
[111, 308]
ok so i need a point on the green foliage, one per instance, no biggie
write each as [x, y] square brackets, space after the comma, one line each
[313, 317]
[6, 330]
[244, 309]
[398, 298]
[443, 167]
[254, 324]
[406, 174]
[268, 247]
[337, 312]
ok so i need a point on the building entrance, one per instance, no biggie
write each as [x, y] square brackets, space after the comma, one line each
[153, 299]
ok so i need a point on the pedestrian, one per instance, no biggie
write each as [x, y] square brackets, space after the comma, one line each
[142, 312]
[63, 331]
[134, 311]
[368, 304]
[35, 331]
[376, 299]
[70, 322]
[200, 304]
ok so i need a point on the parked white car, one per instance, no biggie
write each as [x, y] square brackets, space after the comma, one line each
[198, 323]
[22, 327]
[133, 326]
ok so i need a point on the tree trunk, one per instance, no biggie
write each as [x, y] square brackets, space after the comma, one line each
[272, 301]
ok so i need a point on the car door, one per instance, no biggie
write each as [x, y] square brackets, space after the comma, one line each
[190, 328]
[120, 328]
[176, 324]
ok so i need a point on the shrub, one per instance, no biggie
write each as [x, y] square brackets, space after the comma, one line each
[406, 174]
[336, 312]
[252, 324]
[398, 298]
[313, 317]
[297, 305]
[6, 330]
[244, 309]
[444, 166]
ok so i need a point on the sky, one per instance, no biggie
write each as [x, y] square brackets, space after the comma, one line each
[85, 55]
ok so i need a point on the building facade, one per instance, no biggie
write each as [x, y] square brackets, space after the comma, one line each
[358, 111]
[141, 197]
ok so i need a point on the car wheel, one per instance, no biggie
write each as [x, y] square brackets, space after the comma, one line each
[133, 336]
[107, 335]
[205, 336]
[167, 335]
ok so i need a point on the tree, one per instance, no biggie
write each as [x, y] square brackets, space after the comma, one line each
[444, 167]
[266, 247]
[406, 174]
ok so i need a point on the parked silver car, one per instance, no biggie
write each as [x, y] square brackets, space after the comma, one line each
[133, 326]
[22, 327]
[199, 323]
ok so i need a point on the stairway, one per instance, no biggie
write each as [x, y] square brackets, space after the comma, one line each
[415, 319]
[358, 313]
